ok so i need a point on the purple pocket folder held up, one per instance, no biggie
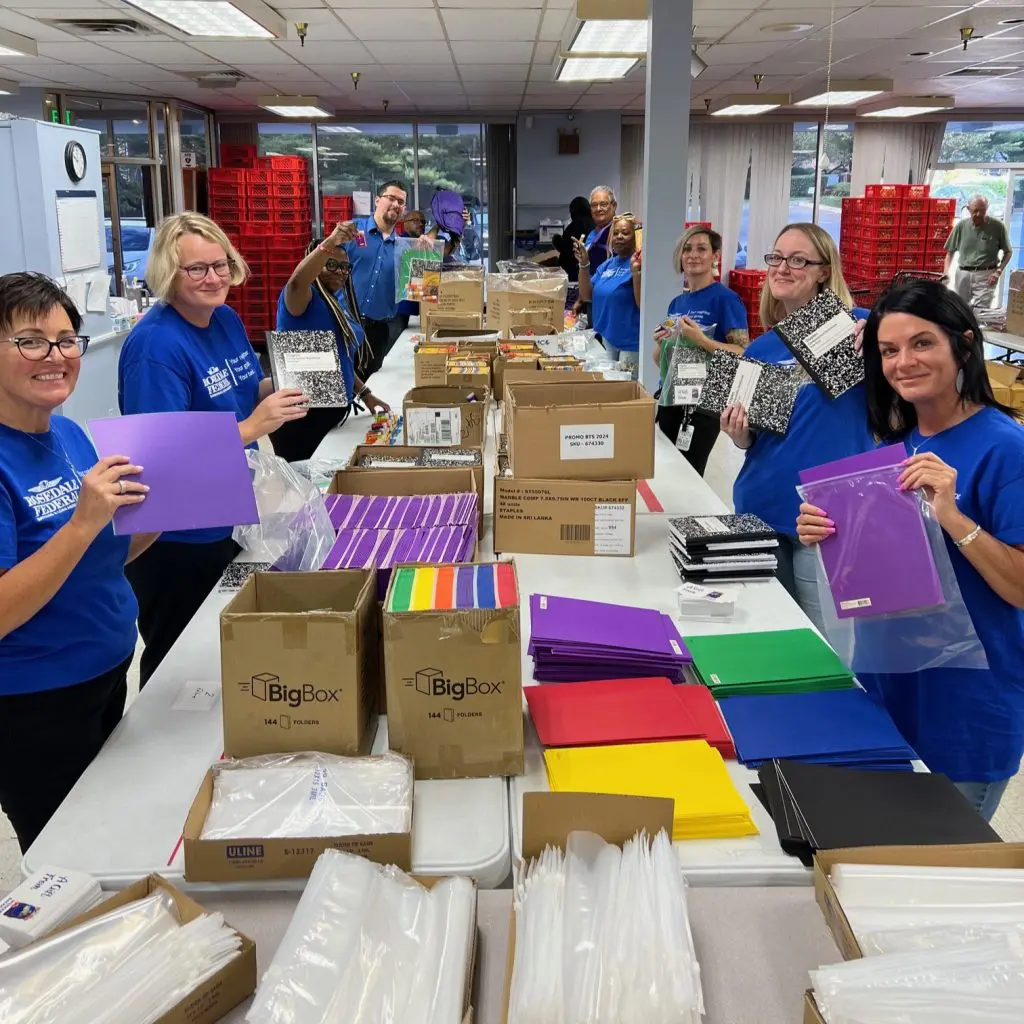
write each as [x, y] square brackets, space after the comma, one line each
[879, 561]
[194, 464]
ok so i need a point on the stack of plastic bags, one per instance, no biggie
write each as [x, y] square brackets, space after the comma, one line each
[603, 937]
[133, 964]
[368, 944]
[307, 795]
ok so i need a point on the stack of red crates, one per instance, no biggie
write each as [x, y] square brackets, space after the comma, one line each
[892, 228]
[265, 207]
[747, 285]
[336, 210]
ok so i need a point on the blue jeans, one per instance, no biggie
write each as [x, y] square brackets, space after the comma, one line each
[629, 360]
[984, 796]
[798, 573]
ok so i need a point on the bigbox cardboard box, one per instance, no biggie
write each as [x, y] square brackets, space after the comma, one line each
[300, 663]
[455, 694]
[440, 416]
[587, 430]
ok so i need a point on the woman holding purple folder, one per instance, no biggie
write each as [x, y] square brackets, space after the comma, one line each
[927, 387]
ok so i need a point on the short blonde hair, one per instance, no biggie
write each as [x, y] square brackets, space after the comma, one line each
[772, 311]
[162, 269]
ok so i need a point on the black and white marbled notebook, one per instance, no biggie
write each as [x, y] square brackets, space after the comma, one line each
[308, 360]
[766, 391]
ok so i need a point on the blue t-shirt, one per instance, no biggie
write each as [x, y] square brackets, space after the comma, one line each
[820, 430]
[969, 725]
[598, 249]
[373, 271]
[616, 314]
[318, 317]
[714, 305]
[87, 627]
[170, 365]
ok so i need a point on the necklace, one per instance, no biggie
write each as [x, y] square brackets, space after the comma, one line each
[62, 454]
[924, 440]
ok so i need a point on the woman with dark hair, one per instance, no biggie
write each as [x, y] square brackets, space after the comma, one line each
[927, 387]
[581, 223]
[67, 613]
[319, 297]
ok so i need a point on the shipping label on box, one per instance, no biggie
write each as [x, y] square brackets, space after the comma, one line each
[445, 416]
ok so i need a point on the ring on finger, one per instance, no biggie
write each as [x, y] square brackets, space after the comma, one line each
[120, 487]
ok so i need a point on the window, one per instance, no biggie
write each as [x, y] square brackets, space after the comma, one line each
[192, 128]
[983, 142]
[361, 157]
[801, 178]
[836, 163]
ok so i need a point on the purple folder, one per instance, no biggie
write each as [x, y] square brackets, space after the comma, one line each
[880, 561]
[194, 464]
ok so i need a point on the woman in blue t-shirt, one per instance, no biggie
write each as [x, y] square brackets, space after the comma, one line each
[614, 292]
[803, 261]
[319, 297]
[190, 353]
[707, 316]
[67, 614]
[927, 387]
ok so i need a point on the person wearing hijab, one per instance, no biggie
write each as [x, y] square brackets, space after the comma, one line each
[581, 222]
[447, 208]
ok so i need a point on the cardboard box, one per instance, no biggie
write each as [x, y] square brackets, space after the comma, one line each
[412, 451]
[1007, 383]
[455, 694]
[564, 517]
[531, 291]
[219, 994]
[240, 860]
[430, 360]
[461, 291]
[527, 323]
[587, 430]
[445, 416]
[1015, 303]
[468, 370]
[299, 663]
[812, 1015]
[433, 323]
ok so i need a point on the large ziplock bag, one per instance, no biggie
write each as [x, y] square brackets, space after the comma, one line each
[417, 268]
[889, 597]
[294, 533]
[687, 371]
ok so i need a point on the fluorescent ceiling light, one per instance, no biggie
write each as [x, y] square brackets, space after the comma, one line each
[906, 106]
[9, 88]
[14, 45]
[592, 69]
[748, 105]
[610, 37]
[294, 106]
[844, 93]
[215, 18]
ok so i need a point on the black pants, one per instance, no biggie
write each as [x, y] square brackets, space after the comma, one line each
[47, 740]
[297, 440]
[705, 433]
[381, 336]
[171, 580]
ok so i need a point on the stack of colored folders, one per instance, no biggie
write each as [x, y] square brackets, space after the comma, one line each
[626, 711]
[838, 727]
[447, 587]
[785, 661]
[707, 804]
[573, 640]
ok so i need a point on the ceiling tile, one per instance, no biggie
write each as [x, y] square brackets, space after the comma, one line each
[544, 53]
[82, 52]
[500, 53]
[344, 5]
[492, 4]
[752, 29]
[494, 72]
[244, 51]
[421, 72]
[388, 24]
[314, 53]
[553, 23]
[36, 29]
[154, 51]
[744, 53]
[425, 53]
[511, 24]
[323, 23]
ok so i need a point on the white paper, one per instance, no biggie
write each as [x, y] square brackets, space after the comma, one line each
[612, 533]
[196, 697]
[78, 227]
[301, 362]
[833, 332]
[460, 457]
[75, 285]
[99, 292]
[711, 524]
[361, 204]
[687, 394]
[744, 384]
[433, 427]
[588, 441]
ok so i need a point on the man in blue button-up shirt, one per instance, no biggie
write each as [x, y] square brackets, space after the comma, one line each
[372, 254]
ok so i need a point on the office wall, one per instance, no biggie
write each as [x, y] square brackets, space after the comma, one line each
[28, 103]
[546, 182]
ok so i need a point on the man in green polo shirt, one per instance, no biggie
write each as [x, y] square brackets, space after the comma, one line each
[983, 248]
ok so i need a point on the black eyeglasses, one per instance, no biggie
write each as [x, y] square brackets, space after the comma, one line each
[338, 266]
[198, 271]
[38, 349]
[775, 259]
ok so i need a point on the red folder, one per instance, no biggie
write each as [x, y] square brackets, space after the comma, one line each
[704, 711]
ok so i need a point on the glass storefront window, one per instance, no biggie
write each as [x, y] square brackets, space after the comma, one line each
[192, 128]
[835, 171]
[361, 157]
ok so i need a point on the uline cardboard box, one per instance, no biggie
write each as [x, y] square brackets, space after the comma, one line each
[440, 416]
[300, 663]
[587, 430]
[214, 998]
[455, 694]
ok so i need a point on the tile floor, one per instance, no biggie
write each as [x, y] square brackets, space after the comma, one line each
[721, 472]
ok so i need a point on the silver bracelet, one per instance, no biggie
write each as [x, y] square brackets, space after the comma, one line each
[969, 539]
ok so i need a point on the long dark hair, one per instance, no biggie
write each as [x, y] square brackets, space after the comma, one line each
[341, 321]
[891, 416]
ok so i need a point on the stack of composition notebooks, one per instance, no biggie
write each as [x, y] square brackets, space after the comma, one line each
[626, 711]
[838, 727]
[817, 807]
[707, 804]
[448, 587]
[723, 549]
[783, 661]
[573, 640]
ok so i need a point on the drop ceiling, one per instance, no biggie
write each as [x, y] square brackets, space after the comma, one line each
[494, 57]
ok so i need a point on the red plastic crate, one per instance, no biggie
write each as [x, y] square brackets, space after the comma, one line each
[260, 203]
[286, 250]
[293, 217]
[877, 247]
[281, 266]
[291, 190]
[284, 163]
[257, 177]
[219, 174]
[234, 154]
[289, 177]
[934, 261]
[225, 189]
[916, 191]
[878, 233]
[881, 205]
[880, 265]
[257, 228]
[291, 234]
[879, 220]
[914, 261]
[882, 191]
[946, 207]
[228, 225]
[916, 206]
[913, 232]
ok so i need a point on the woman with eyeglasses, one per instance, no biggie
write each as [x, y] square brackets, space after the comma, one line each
[67, 613]
[803, 262]
[614, 293]
[190, 352]
[319, 297]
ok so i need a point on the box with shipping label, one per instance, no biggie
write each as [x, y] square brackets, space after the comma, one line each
[593, 430]
[1015, 303]
[445, 416]
[299, 663]
[452, 662]
[430, 358]
[564, 517]
[534, 290]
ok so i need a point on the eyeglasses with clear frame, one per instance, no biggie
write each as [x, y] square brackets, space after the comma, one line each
[37, 349]
[199, 271]
[394, 200]
[775, 259]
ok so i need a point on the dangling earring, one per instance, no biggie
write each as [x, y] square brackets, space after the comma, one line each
[960, 381]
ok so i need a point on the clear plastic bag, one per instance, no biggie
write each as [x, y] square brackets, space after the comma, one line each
[294, 533]
[687, 371]
[886, 612]
[418, 268]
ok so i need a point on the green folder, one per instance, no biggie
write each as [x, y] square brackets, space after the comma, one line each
[784, 661]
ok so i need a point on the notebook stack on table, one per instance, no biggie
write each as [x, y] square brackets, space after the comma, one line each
[723, 549]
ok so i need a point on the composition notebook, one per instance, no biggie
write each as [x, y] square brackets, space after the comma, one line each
[725, 548]
[309, 361]
[768, 392]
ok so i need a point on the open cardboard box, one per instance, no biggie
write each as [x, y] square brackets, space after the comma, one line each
[451, 415]
[215, 997]
[1007, 383]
